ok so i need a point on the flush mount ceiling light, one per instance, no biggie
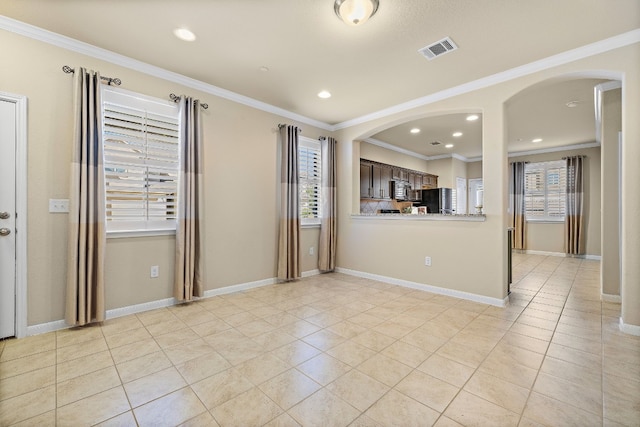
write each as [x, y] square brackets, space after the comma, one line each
[472, 117]
[184, 34]
[536, 140]
[415, 130]
[324, 94]
[448, 146]
[572, 104]
[355, 12]
[456, 134]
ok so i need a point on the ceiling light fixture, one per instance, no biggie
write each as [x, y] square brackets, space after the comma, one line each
[572, 104]
[324, 94]
[448, 146]
[456, 134]
[184, 34]
[355, 12]
[472, 117]
[536, 140]
[415, 130]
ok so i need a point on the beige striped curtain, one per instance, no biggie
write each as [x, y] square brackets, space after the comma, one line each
[289, 239]
[86, 233]
[517, 209]
[189, 239]
[574, 241]
[327, 243]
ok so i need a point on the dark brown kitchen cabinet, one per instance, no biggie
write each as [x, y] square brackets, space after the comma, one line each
[366, 189]
[375, 181]
[381, 182]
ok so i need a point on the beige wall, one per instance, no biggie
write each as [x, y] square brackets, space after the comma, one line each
[364, 245]
[241, 182]
[549, 237]
[611, 126]
[241, 224]
[474, 170]
[443, 168]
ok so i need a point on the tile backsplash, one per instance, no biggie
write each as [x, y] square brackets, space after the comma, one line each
[373, 206]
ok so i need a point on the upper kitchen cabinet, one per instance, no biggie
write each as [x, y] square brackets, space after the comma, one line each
[375, 180]
[366, 185]
[383, 181]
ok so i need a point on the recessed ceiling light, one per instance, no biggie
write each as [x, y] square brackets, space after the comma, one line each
[536, 140]
[415, 130]
[472, 117]
[184, 34]
[572, 104]
[457, 134]
[448, 146]
[324, 94]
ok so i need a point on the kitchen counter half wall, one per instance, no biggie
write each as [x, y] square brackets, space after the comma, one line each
[425, 217]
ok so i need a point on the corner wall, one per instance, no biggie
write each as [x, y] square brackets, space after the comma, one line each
[240, 172]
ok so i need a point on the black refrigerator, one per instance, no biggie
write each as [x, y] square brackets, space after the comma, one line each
[438, 200]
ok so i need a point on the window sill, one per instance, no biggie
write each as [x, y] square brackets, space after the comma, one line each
[545, 221]
[310, 225]
[119, 234]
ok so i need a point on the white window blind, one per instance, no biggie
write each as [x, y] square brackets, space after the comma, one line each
[545, 191]
[309, 186]
[141, 140]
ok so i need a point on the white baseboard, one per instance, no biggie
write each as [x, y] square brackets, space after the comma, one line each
[311, 273]
[563, 255]
[611, 298]
[152, 305]
[433, 289]
[46, 327]
[629, 329]
[239, 288]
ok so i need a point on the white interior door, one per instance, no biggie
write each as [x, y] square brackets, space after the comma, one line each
[475, 185]
[7, 219]
[461, 192]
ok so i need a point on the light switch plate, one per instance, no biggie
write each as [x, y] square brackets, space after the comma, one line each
[59, 205]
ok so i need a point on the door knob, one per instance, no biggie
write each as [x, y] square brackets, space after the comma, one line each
[4, 215]
[4, 231]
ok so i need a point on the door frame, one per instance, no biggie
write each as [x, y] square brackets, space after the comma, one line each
[20, 102]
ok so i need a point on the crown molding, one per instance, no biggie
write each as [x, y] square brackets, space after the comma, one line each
[83, 48]
[555, 149]
[396, 148]
[586, 51]
[74, 45]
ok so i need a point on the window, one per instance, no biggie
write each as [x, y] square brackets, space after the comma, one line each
[545, 189]
[309, 173]
[141, 138]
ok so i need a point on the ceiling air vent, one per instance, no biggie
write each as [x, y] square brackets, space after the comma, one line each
[445, 45]
[434, 143]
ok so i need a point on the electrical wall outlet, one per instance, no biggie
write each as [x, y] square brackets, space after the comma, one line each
[311, 250]
[427, 261]
[59, 205]
[155, 271]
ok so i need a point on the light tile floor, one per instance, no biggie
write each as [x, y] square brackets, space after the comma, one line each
[335, 350]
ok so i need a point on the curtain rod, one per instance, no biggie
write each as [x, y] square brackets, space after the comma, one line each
[582, 156]
[176, 98]
[281, 125]
[116, 81]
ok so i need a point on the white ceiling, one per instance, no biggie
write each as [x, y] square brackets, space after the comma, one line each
[307, 48]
